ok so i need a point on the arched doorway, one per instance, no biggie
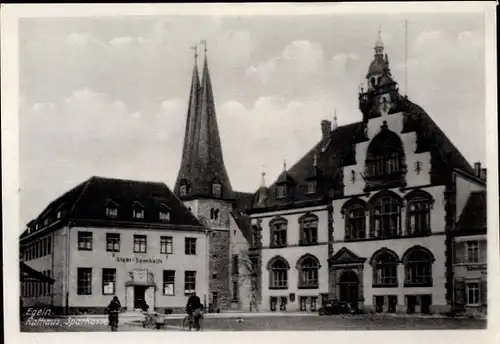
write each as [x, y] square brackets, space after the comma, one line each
[349, 288]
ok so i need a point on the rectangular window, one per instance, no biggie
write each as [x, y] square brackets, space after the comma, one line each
[189, 282]
[236, 296]
[49, 273]
[278, 235]
[84, 281]
[164, 216]
[138, 213]
[85, 241]
[283, 302]
[49, 245]
[111, 212]
[309, 232]
[273, 302]
[303, 303]
[168, 282]
[473, 294]
[281, 191]
[166, 245]
[217, 189]
[113, 242]
[190, 246]
[42, 247]
[140, 244]
[108, 281]
[314, 301]
[235, 265]
[311, 188]
[473, 251]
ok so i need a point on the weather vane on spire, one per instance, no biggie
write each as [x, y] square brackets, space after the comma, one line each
[204, 42]
[284, 164]
[195, 48]
[335, 124]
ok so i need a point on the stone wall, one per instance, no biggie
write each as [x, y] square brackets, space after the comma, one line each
[219, 268]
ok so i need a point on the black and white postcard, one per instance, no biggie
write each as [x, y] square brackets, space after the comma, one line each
[262, 167]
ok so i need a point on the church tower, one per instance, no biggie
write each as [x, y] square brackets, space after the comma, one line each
[203, 183]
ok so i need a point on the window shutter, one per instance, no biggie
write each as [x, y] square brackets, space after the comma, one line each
[484, 292]
[302, 229]
[460, 297]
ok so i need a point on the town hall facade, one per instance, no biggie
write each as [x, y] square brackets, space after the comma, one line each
[368, 215]
[384, 214]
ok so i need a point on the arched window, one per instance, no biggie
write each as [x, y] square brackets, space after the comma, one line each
[385, 268]
[278, 231]
[418, 267]
[385, 157]
[214, 214]
[278, 273]
[354, 213]
[385, 215]
[418, 216]
[308, 224]
[308, 266]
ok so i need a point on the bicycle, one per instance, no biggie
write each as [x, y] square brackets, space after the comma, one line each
[189, 322]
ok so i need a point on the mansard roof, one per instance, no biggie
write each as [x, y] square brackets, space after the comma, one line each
[337, 150]
[473, 217]
[87, 203]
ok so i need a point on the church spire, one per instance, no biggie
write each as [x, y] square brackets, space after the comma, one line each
[379, 45]
[208, 175]
[192, 114]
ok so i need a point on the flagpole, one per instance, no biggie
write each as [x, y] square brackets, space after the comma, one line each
[406, 57]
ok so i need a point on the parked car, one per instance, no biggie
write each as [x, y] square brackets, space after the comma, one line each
[337, 307]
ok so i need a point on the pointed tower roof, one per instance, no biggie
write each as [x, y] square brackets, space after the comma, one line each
[378, 65]
[206, 162]
[262, 192]
[192, 114]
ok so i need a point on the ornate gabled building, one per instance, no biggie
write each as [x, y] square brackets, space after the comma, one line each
[203, 185]
[367, 216]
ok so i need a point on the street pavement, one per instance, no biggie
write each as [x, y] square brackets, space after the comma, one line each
[269, 323]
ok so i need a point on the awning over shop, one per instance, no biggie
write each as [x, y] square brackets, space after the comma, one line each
[28, 273]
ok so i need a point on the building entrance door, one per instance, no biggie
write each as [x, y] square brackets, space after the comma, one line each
[348, 285]
[139, 296]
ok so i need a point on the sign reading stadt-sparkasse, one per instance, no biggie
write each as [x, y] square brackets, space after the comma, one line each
[137, 260]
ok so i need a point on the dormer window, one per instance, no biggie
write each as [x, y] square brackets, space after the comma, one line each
[164, 212]
[164, 216]
[46, 222]
[111, 212]
[138, 211]
[59, 214]
[311, 187]
[111, 209]
[281, 191]
[217, 189]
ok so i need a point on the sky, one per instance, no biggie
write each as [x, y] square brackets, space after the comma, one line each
[108, 96]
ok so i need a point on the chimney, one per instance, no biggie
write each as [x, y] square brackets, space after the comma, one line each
[326, 127]
[483, 174]
[477, 169]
